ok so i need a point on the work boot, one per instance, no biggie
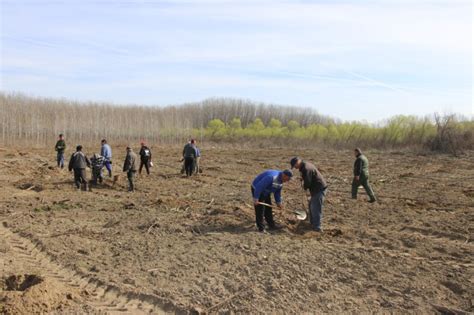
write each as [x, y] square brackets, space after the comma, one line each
[372, 200]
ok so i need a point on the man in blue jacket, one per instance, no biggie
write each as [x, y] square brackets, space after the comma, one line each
[106, 152]
[265, 184]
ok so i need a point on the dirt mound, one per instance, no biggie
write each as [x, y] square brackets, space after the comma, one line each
[30, 294]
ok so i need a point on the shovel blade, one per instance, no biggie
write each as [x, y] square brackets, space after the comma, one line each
[301, 214]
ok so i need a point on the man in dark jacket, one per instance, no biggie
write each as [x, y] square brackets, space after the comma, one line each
[263, 186]
[60, 147]
[130, 166]
[78, 162]
[189, 156]
[145, 158]
[313, 182]
[361, 175]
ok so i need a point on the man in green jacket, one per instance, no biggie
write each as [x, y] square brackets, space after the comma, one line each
[130, 166]
[60, 148]
[361, 175]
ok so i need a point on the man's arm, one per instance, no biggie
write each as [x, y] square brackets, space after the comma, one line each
[307, 179]
[278, 197]
[126, 163]
[260, 187]
[358, 168]
[70, 163]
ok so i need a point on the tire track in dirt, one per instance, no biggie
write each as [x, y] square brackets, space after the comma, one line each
[103, 298]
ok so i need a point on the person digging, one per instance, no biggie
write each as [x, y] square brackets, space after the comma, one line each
[263, 186]
[313, 182]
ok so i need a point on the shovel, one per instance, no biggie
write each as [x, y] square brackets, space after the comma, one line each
[300, 214]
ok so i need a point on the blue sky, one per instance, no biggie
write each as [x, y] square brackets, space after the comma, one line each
[355, 60]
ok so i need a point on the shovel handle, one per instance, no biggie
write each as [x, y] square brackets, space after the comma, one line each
[266, 204]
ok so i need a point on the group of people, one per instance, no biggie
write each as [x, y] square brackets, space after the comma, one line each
[79, 162]
[263, 186]
[312, 181]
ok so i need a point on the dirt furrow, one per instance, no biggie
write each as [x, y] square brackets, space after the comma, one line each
[101, 297]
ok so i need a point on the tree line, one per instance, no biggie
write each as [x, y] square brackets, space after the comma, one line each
[38, 121]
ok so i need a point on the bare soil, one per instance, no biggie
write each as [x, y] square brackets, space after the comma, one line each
[189, 245]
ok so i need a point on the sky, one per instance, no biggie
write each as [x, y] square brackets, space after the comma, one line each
[354, 60]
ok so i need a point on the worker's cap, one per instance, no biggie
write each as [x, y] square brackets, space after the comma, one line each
[288, 173]
[79, 148]
[293, 161]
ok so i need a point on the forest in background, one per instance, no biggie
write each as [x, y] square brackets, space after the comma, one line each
[38, 121]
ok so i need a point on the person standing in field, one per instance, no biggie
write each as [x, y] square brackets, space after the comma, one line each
[189, 156]
[130, 166]
[361, 176]
[313, 182]
[78, 162]
[106, 152]
[145, 158]
[60, 149]
[263, 186]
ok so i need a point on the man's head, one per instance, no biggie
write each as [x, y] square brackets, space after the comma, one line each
[193, 141]
[357, 152]
[61, 136]
[286, 176]
[79, 148]
[296, 162]
[103, 141]
[129, 149]
[142, 143]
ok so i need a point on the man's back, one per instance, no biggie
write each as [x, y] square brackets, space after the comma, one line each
[312, 178]
[79, 160]
[106, 151]
[189, 151]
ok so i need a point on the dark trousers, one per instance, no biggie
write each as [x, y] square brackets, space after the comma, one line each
[316, 209]
[364, 181]
[60, 159]
[96, 175]
[189, 165]
[263, 211]
[146, 163]
[108, 166]
[131, 177]
[80, 178]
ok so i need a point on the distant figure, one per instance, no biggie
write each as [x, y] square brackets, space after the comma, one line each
[106, 152]
[361, 175]
[183, 169]
[313, 182]
[78, 162]
[189, 156]
[130, 166]
[60, 149]
[145, 158]
[265, 184]
[97, 162]
[197, 169]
